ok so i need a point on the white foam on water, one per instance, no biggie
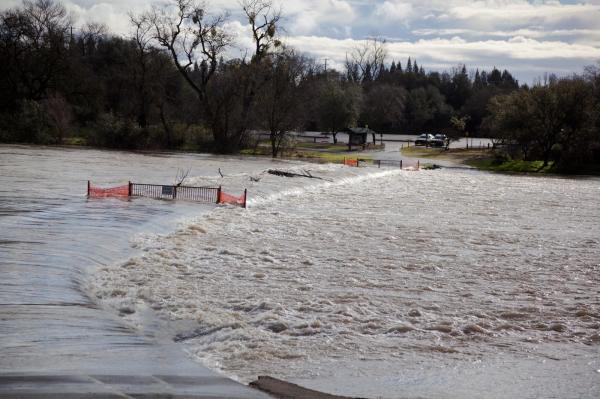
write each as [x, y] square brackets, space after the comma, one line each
[375, 266]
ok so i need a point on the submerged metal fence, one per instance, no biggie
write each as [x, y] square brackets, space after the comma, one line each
[168, 192]
[200, 194]
[402, 164]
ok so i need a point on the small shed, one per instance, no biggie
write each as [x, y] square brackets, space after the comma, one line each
[359, 136]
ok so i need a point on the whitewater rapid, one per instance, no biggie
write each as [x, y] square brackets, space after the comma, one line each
[386, 273]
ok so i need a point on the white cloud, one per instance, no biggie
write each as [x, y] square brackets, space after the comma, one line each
[394, 11]
[308, 16]
[522, 34]
[528, 56]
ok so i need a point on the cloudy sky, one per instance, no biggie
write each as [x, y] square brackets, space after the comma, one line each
[527, 37]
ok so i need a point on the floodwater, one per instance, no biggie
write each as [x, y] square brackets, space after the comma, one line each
[52, 237]
[378, 283]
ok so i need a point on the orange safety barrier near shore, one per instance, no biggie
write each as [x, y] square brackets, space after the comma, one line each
[351, 162]
[120, 191]
[224, 198]
[169, 192]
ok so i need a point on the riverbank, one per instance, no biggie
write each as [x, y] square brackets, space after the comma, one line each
[486, 159]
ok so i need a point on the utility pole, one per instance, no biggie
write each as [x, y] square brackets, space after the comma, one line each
[325, 59]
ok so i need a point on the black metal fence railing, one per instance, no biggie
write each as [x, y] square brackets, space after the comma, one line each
[401, 164]
[200, 194]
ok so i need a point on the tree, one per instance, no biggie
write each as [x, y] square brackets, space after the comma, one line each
[32, 48]
[460, 124]
[59, 114]
[425, 108]
[383, 107]
[281, 96]
[338, 106]
[556, 121]
[188, 34]
[365, 61]
[263, 19]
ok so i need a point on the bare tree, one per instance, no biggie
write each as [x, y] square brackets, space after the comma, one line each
[32, 43]
[91, 34]
[226, 90]
[182, 174]
[141, 37]
[189, 35]
[281, 97]
[263, 18]
[59, 114]
[365, 61]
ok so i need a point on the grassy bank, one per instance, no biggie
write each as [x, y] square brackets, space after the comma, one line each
[485, 159]
[482, 159]
[514, 166]
[324, 152]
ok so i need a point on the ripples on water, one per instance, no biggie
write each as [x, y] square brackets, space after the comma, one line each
[434, 284]
[52, 237]
[381, 271]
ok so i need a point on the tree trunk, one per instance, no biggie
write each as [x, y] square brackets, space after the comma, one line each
[163, 119]
[274, 145]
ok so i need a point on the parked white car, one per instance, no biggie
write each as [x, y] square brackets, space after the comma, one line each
[424, 139]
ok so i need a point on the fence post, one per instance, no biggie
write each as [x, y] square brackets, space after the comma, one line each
[418, 165]
[357, 162]
[129, 189]
[400, 164]
[379, 163]
[88, 189]
[245, 196]
[219, 195]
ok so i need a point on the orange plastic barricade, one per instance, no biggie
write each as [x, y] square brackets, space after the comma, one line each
[351, 162]
[225, 198]
[120, 191]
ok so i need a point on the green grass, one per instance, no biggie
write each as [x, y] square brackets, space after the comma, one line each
[481, 159]
[330, 157]
[325, 156]
[514, 166]
[323, 146]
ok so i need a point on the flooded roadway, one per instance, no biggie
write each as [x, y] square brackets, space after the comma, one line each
[52, 237]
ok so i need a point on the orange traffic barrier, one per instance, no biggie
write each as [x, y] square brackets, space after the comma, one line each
[120, 191]
[224, 198]
[351, 162]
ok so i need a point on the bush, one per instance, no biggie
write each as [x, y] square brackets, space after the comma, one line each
[500, 158]
[112, 132]
[28, 125]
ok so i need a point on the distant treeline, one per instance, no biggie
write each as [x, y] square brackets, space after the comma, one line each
[169, 84]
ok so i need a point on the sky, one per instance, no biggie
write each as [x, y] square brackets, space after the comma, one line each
[529, 38]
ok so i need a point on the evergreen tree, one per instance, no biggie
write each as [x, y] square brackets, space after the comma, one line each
[477, 80]
[495, 77]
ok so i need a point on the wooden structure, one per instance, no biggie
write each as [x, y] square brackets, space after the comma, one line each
[358, 136]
